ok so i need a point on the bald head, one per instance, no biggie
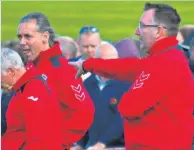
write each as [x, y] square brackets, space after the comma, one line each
[106, 51]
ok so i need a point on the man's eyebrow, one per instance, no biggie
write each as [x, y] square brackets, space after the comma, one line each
[27, 34]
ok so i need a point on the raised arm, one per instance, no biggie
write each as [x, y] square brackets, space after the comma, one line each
[124, 69]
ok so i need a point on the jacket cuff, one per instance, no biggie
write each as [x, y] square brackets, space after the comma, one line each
[87, 65]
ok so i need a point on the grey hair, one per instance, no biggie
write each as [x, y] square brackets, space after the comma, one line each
[10, 59]
[166, 16]
[42, 24]
[15, 45]
[67, 44]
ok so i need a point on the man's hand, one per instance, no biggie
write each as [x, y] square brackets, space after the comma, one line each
[97, 146]
[79, 67]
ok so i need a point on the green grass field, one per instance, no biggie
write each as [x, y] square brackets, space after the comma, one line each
[115, 20]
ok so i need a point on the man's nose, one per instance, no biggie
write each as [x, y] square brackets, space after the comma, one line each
[22, 41]
[90, 49]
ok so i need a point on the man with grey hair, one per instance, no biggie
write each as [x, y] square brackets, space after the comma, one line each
[37, 41]
[33, 111]
[68, 46]
[161, 80]
[7, 93]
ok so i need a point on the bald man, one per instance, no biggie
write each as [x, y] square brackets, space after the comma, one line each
[106, 51]
[107, 128]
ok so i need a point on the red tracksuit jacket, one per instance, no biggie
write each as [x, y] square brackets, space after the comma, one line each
[76, 105]
[33, 117]
[158, 107]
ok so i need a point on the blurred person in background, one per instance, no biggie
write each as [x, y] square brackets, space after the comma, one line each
[15, 45]
[184, 32]
[89, 39]
[127, 48]
[162, 80]
[36, 38]
[107, 128]
[69, 48]
[33, 111]
[185, 46]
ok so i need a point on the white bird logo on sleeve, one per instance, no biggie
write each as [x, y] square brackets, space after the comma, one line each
[33, 98]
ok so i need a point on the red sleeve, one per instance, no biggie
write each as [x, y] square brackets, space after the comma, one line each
[41, 117]
[74, 97]
[124, 69]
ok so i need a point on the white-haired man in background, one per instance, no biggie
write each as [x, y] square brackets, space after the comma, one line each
[69, 47]
[33, 115]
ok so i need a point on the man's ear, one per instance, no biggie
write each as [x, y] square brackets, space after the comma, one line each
[161, 31]
[45, 36]
[11, 72]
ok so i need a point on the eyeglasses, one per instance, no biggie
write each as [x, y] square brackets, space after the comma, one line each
[87, 29]
[141, 25]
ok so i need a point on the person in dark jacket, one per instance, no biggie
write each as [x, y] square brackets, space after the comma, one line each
[5, 99]
[107, 128]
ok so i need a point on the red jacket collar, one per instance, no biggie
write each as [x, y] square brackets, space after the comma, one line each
[53, 51]
[29, 74]
[163, 44]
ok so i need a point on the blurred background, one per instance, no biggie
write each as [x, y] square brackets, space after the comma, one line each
[116, 20]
